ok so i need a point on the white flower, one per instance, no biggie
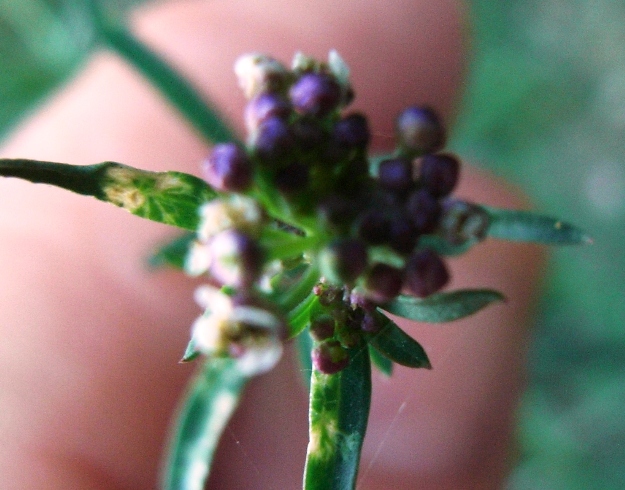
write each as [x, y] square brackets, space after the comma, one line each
[252, 334]
[234, 211]
[259, 73]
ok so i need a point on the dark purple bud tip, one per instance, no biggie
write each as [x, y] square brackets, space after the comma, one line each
[383, 283]
[322, 327]
[292, 178]
[337, 211]
[227, 168]
[424, 210]
[330, 357]
[316, 94]
[352, 132]
[308, 133]
[374, 226]
[396, 174]
[263, 107]
[439, 173]
[420, 131]
[425, 273]
[370, 323]
[343, 260]
[273, 141]
[403, 235]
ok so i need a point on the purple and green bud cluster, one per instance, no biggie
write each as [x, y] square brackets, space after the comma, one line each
[305, 170]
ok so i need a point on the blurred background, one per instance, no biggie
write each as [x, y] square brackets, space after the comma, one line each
[545, 108]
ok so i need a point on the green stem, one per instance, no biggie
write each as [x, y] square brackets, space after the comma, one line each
[201, 113]
[339, 410]
[301, 290]
[209, 404]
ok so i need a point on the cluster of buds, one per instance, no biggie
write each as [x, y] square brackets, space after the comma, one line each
[305, 169]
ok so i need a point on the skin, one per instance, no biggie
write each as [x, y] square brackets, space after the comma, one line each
[91, 338]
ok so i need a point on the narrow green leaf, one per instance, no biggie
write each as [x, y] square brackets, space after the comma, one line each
[396, 345]
[196, 109]
[210, 402]
[174, 253]
[443, 307]
[525, 226]
[190, 353]
[304, 344]
[443, 247]
[339, 410]
[384, 364]
[172, 198]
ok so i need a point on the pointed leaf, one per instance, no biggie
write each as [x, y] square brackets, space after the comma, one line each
[384, 364]
[443, 247]
[339, 410]
[395, 344]
[525, 226]
[190, 353]
[196, 109]
[212, 398]
[172, 198]
[443, 307]
[174, 253]
[304, 345]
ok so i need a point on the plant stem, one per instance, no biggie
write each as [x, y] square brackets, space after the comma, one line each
[197, 110]
[339, 410]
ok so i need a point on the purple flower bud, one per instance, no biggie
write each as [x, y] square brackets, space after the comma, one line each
[352, 132]
[228, 168]
[396, 175]
[322, 327]
[263, 107]
[439, 173]
[370, 323]
[403, 235]
[424, 211]
[308, 133]
[337, 211]
[330, 357]
[316, 94]
[343, 260]
[235, 259]
[292, 178]
[383, 282]
[273, 141]
[419, 131]
[374, 226]
[425, 273]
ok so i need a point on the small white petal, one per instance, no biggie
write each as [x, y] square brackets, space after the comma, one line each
[260, 360]
[256, 317]
[197, 260]
[338, 67]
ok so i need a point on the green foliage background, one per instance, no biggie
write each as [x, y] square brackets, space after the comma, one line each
[545, 107]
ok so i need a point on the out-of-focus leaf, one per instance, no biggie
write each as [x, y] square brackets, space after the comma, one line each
[443, 307]
[525, 226]
[190, 353]
[339, 410]
[210, 402]
[443, 247]
[172, 198]
[173, 253]
[196, 109]
[384, 364]
[304, 345]
[396, 345]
